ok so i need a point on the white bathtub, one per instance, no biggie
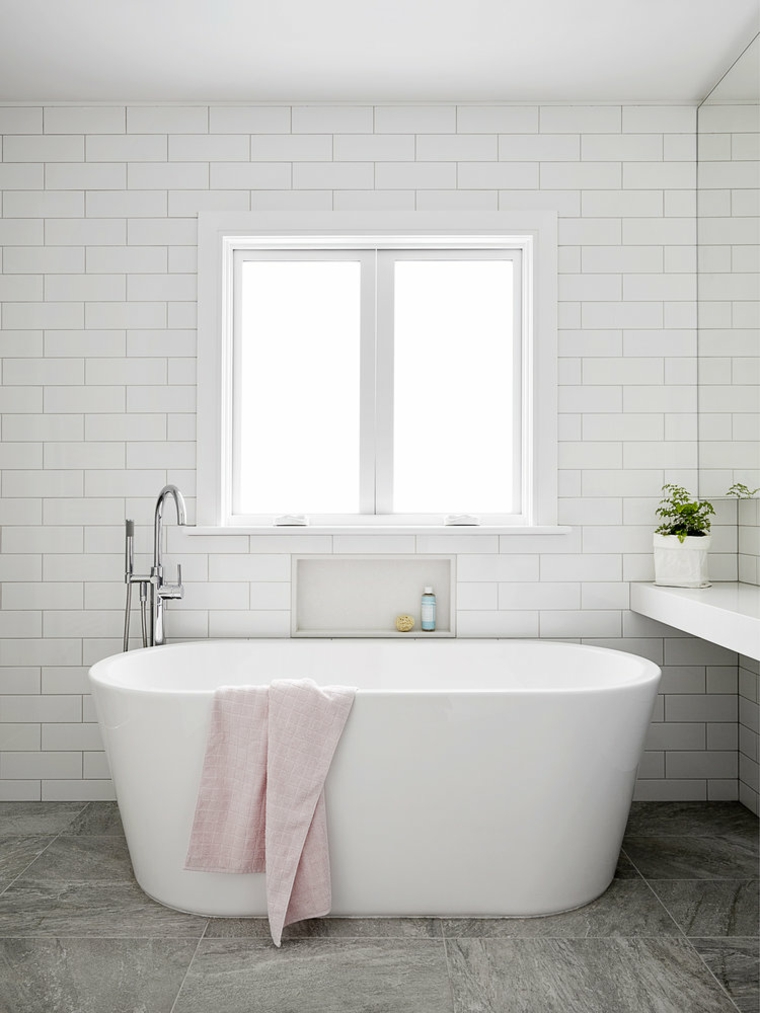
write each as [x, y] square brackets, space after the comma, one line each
[473, 778]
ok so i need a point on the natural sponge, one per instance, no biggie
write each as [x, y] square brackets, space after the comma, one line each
[404, 623]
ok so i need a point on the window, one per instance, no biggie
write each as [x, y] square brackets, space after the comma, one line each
[372, 378]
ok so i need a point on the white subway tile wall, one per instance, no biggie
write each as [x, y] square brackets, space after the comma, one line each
[97, 406]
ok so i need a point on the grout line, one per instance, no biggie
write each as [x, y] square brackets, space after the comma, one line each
[78, 935]
[53, 838]
[662, 904]
[717, 980]
[703, 879]
[27, 867]
[187, 971]
[448, 969]
[683, 934]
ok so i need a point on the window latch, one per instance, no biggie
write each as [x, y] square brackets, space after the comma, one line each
[461, 520]
[292, 521]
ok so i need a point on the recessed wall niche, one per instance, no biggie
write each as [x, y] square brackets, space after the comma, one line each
[361, 596]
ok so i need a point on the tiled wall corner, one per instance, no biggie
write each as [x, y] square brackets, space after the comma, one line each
[749, 541]
[691, 749]
[749, 733]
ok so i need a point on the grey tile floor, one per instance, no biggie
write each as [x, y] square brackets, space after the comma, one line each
[677, 932]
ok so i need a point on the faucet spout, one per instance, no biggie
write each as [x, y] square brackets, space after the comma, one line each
[179, 502]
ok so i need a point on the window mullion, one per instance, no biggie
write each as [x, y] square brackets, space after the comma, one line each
[522, 398]
[384, 384]
[232, 397]
[367, 396]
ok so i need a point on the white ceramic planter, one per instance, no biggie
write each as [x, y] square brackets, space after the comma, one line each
[681, 564]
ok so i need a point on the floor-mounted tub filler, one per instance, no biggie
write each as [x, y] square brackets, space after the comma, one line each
[473, 778]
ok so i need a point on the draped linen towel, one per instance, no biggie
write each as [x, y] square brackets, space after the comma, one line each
[261, 804]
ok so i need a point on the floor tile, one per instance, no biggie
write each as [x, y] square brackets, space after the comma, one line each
[100, 819]
[581, 976]
[86, 909]
[736, 965]
[317, 976]
[82, 860]
[691, 857]
[92, 975]
[77, 935]
[628, 908]
[693, 819]
[328, 928]
[24, 819]
[16, 854]
[712, 907]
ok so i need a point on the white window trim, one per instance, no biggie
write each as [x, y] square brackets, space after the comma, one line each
[218, 237]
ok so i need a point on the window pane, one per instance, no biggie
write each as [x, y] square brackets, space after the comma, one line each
[298, 437]
[453, 386]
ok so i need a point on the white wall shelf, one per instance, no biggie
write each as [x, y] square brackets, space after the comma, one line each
[360, 596]
[728, 613]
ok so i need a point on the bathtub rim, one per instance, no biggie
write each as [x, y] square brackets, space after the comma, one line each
[644, 670]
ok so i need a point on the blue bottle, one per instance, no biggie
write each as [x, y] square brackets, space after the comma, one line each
[427, 610]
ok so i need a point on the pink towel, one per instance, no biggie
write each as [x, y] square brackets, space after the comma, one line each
[261, 802]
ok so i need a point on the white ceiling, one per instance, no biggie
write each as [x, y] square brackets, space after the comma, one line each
[369, 50]
[741, 83]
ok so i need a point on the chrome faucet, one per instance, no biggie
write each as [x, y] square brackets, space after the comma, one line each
[154, 590]
[160, 591]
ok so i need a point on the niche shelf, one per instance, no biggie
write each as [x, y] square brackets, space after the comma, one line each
[360, 596]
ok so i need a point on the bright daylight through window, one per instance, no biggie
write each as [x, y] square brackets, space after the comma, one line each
[297, 387]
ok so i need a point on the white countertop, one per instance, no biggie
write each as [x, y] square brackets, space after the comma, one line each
[727, 613]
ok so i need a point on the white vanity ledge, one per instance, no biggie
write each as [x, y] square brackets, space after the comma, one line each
[727, 613]
[381, 529]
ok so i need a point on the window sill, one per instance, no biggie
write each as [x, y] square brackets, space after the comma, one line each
[385, 529]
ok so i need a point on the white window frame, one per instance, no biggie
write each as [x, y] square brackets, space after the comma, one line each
[222, 236]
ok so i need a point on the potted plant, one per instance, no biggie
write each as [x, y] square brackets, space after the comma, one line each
[682, 540]
[741, 491]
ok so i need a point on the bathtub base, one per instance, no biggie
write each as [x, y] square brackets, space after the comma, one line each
[253, 905]
[401, 914]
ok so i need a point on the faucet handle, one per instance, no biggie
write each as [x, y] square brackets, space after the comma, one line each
[172, 591]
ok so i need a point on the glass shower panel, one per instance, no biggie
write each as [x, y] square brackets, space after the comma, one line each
[728, 308]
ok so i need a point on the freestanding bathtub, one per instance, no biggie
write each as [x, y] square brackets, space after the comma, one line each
[473, 778]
